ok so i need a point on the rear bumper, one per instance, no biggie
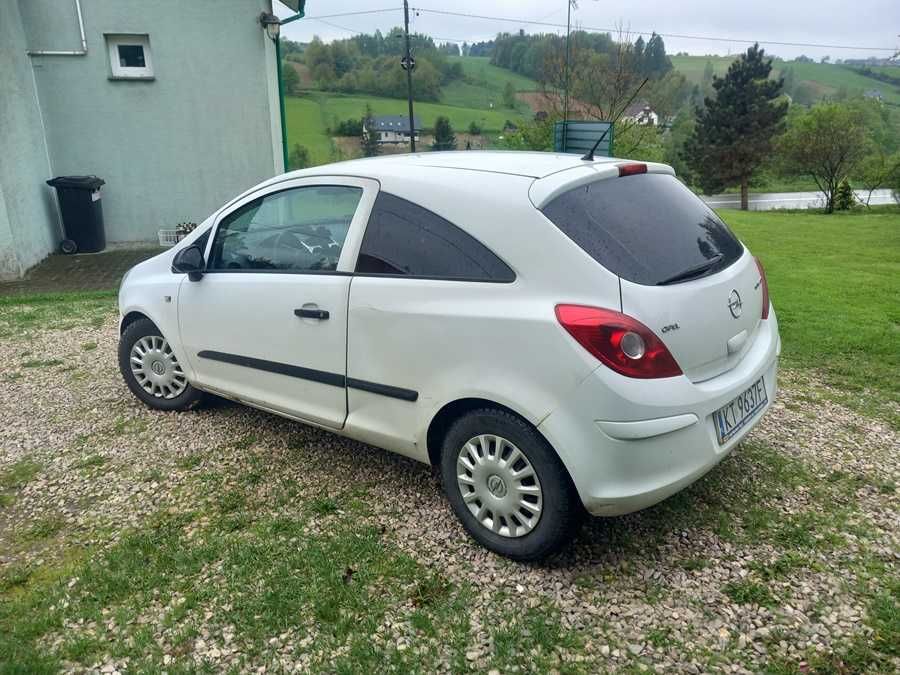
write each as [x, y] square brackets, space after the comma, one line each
[629, 444]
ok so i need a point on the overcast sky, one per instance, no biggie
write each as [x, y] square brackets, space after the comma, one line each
[864, 23]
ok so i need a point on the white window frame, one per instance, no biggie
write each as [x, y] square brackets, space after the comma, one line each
[119, 72]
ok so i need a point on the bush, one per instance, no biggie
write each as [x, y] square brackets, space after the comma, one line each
[349, 127]
[843, 196]
[299, 158]
[444, 138]
[475, 128]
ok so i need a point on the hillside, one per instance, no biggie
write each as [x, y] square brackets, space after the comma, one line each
[477, 98]
[824, 79]
[310, 115]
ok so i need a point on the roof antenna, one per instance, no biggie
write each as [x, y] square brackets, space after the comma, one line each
[589, 156]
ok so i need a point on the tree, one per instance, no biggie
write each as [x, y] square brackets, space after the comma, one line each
[536, 135]
[843, 196]
[734, 131]
[509, 95]
[655, 63]
[290, 80]
[707, 81]
[878, 169]
[444, 138]
[825, 143]
[789, 80]
[299, 157]
[369, 142]
[475, 128]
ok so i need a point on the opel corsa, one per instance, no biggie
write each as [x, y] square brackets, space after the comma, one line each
[556, 335]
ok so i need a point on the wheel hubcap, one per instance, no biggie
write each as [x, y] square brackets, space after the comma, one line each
[155, 367]
[499, 485]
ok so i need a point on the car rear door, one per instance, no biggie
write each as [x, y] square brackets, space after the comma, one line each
[267, 322]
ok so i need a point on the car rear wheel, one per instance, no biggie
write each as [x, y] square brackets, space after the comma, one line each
[152, 371]
[507, 485]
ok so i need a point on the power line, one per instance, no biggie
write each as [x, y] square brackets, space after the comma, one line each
[366, 11]
[334, 25]
[667, 35]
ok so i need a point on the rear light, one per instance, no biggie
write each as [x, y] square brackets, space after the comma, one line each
[619, 341]
[765, 289]
[631, 169]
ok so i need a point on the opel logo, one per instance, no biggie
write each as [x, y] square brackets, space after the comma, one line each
[496, 486]
[734, 303]
[158, 367]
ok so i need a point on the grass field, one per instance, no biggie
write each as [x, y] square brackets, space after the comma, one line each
[478, 98]
[826, 79]
[306, 126]
[484, 83]
[834, 284]
[309, 115]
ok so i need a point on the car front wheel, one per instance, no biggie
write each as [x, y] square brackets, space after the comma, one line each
[507, 486]
[151, 369]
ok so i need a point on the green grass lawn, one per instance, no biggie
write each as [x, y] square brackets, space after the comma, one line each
[835, 285]
[306, 126]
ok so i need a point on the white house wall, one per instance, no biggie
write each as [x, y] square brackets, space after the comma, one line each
[27, 214]
[171, 149]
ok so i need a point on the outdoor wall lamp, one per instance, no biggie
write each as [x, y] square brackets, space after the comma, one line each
[271, 23]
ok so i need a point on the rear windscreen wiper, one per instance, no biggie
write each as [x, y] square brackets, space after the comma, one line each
[692, 272]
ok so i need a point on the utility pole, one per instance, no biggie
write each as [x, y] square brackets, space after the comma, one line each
[409, 68]
[569, 3]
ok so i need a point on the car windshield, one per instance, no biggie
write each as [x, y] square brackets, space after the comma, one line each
[647, 228]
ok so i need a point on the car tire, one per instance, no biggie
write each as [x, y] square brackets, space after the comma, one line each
[168, 390]
[559, 508]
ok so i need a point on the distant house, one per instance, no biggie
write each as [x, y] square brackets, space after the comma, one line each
[874, 94]
[641, 113]
[394, 128]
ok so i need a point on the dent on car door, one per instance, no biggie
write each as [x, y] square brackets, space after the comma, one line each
[267, 322]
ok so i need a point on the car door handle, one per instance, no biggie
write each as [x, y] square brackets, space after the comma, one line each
[305, 313]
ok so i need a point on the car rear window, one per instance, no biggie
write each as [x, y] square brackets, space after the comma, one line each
[646, 228]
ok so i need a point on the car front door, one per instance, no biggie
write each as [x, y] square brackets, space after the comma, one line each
[267, 321]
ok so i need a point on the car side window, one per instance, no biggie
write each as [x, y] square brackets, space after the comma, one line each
[405, 239]
[296, 230]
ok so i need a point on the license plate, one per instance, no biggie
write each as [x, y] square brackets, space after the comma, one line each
[734, 415]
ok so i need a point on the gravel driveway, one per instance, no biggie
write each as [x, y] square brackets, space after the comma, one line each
[783, 558]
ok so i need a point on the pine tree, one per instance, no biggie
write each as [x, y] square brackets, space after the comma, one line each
[656, 63]
[444, 138]
[735, 129]
[843, 197]
[370, 146]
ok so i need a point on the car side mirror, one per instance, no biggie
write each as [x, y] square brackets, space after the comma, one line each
[189, 261]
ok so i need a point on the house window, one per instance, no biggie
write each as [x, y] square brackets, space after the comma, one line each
[129, 57]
